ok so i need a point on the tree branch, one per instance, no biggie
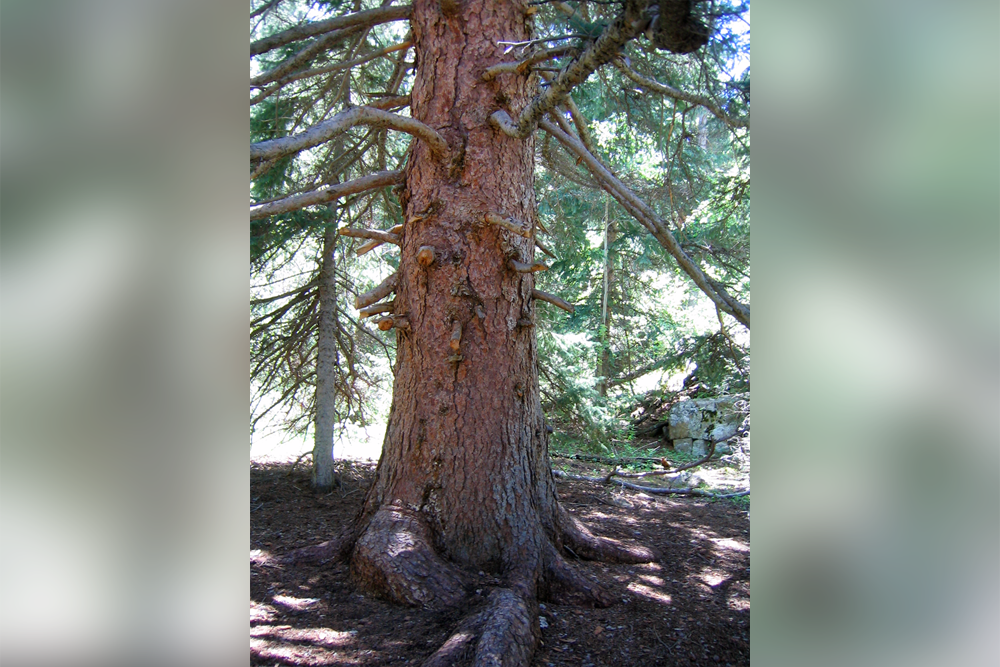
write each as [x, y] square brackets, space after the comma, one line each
[625, 27]
[522, 66]
[553, 299]
[383, 237]
[366, 19]
[305, 74]
[676, 94]
[322, 132]
[652, 222]
[326, 195]
[510, 224]
[384, 289]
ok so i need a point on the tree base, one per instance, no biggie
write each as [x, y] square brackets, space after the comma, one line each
[394, 558]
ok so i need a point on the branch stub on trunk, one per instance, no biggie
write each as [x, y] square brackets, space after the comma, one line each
[425, 256]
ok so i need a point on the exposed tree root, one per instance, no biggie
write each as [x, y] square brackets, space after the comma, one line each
[511, 630]
[580, 542]
[562, 583]
[394, 559]
[503, 635]
[338, 548]
[461, 645]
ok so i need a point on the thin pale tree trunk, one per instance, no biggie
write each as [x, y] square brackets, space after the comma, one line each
[324, 477]
[610, 236]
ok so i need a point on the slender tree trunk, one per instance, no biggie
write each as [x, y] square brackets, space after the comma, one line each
[610, 236]
[323, 476]
[464, 485]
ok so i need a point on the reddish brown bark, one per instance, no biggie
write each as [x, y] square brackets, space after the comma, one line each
[464, 484]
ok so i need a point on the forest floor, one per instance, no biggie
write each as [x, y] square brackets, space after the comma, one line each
[692, 607]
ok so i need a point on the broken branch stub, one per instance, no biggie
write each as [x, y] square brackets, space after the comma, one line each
[456, 337]
[374, 234]
[523, 267]
[367, 247]
[375, 310]
[385, 323]
[538, 244]
[510, 224]
[384, 289]
[553, 299]
[425, 256]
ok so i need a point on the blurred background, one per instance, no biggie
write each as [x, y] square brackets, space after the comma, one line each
[876, 232]
[124, 366]
[123, 310]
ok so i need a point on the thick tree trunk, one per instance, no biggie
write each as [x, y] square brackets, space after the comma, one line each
[464, 490]
[323, 476]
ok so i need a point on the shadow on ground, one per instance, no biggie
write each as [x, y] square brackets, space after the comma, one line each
[692, 607]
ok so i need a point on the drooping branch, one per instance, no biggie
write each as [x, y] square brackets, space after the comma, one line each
[303, 57]
[326, 195]
[652, 222]
[639, 372]
[625, 27]
[319, 71]
[540, 246]
[553, 299]
[345, 120]
[363, 19]
[676, 94]
[384, 289]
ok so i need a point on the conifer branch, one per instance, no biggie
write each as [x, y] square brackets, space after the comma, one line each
[523, 66]
[326, 195]
[674, 93]
[363, 19]
[625, 27]
[322, 132]
[652, 222]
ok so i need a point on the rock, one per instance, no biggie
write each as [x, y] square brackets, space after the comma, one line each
[723, 448]
[679, 481]
[724, 431]
[682, 445]
[685, 421]
[699, 447]
[730, 408]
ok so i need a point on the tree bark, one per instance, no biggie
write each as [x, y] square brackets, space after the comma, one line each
[323, 474]
[464, 483]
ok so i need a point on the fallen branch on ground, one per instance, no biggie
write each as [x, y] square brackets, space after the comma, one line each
[609, 478]
[655, 490]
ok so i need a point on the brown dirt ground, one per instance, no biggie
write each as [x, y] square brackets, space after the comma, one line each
[692, 607]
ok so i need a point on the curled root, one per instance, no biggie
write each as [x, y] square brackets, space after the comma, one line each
[394, 559]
